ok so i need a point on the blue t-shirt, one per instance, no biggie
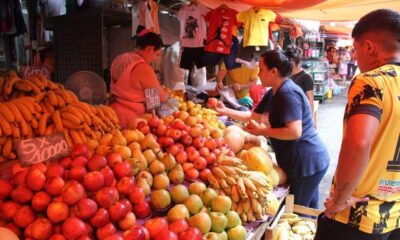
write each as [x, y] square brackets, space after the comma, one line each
[301, 157]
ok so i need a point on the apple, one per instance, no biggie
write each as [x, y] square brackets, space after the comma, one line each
[122, 169]
[54, 170]
[54, 185]
[176, 134]
[161, 130]
[156, 226]
[8, 210]
[88, 230]
[96, 162]
[19, 177]
[198, 142]
[100, 218]
[180, 146]
[108, 176]
[204, 151]
[195, 131]
[114, 236]
[57, 211]
[204, 174]
[113, 158]
[106, 197]
[85, 208]
[173, 149]
[77, 173]
[137, 195]
[42, 229]
[79, 150]
[154, 122]
[57, 237]
[200, 163]
[238, 232]
[212, 102]
[137, 233]
[128, 221]
[105, 231]
[192, 174]
[168, 141]
[211, 144]
[193, 155]
[40, 201]
[143, 127]
[38, 166]
[73, 228]
[72, 192]
[35, 180]
[179, 226]
[142, 209]
[118, 211]
[5, 189]
[22, 194]
[210, 158]
[127, 204]
[167, 235]
[65, 162]
[14, 228]
[187, 140]
[191, 233]
[125, 185]
[79, 161]
[24, 216]
[93, 181]
[181, 157]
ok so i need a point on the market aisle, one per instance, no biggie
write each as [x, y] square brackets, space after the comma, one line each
[330, 129]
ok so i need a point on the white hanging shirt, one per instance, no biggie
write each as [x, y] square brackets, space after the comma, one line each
[193, 26]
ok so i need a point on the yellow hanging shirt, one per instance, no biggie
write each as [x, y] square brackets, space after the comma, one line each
[242, 75]
[256, 31]
[377, 93]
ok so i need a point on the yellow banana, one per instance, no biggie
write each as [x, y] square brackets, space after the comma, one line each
[255, 205]
[43, 123]
[50, 85]
[90, 110]
[60, 101]
[31, 84]
[239, 208]
[70, 125]
[246, 204]
[35, 80]
[250, 215]
[75, 137]
[49, 107]
[72, 118]
[41, 78]
[7, 113]
[9, 85]
[228, 170]
[22, 86]
[68, 138]
[98, 122]
[7, 147]
[235, 194]
[241, 188]
[15, 130]
[5, 125]
[52, 98]
[222, 183]
[213, 181]
[231, 181]
[13, 74]
[58, 124]
[72, 96]
[217, 171]
[40, 96]
[82, 136]
[64, 95]
[249, 184]
[49, 129]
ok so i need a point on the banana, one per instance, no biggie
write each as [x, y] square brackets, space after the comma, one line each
[22, 86]
[87, 130]
[255, 205]
[98, 122]
[60, 101]
[49, 129]
[249, 184]
[75, 137]
[15, 131]
[49, 107]
[213, 181]
[77, 112]
[231, 181]
[26, 114]
[5, 125]
[90, 110]
[221, 181]
[229, 161]
[217, 171]
[58, 124]
[35, 80]
[7, 148]
[9, 85]
[50, 85]
[105, 119]
[243, 216]
[239, 208]
[228, 170]
[31, 84]
[246, 205]
[82, 136]
[235, 194]
[34, 124]
[70, 125]
[106, 139]
[43, 123]
[41, 78]
[52, 98]
[68, 138]
[72, 96]
[241, 188]
[40, 96]
[12, 74]
[64, 95]
[250, 215]
[110, 113]
[234, 206]
[7, 113]
[72, 118]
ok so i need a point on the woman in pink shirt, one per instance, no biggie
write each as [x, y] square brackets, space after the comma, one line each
[131, 73]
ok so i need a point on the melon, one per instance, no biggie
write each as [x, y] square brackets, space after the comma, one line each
[235, 141]
[272, 205]
[234, 128]
[282, 175]
[274, 177]
[257, 159]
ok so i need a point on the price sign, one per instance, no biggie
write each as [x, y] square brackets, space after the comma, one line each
[152, 98]
[42, 149]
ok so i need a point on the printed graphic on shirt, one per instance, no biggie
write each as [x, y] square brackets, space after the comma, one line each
[394, 165]
[384, 213]
[191, 27]
[357, 213]
[220, 33]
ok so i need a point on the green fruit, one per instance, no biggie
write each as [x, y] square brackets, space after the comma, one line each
[160, 199]
[193, 204]
[160, 181]
[156, 167]
[201, 221]
[178, 212]
[222, 236]
[208, 195]
[211, 236]
[218, 222]
[221, 204]
[168, 160]
[176, 175]
[179, 193]
[197, 188]
[237, 233]
[233, 219]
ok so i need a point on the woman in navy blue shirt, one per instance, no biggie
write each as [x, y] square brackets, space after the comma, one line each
[289, 125]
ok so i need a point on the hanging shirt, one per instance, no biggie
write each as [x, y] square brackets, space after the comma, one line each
[220, 26]
[377, 93]
[148, 15]
[193, 25]
[256, 31]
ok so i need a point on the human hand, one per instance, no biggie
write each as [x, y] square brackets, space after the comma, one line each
[220, 107]
[237, 87]
[219, 86]
[254, 128]
[331, 208]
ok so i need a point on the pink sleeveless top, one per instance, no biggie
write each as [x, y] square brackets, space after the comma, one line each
[126, 95]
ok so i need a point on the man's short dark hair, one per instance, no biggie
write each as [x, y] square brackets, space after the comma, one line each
[381, 20]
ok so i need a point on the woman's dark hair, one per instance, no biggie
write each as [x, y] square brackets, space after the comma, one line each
[149, 39]
[293, 53]
[277, 59]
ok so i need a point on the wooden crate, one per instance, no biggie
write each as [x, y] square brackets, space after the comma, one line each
[290, 207]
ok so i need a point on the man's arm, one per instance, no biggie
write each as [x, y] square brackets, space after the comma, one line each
[354, 155]
[220, 78]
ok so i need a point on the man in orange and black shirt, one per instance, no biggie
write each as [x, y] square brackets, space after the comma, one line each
[365, 197]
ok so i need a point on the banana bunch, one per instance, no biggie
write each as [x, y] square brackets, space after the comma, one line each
[36, 106]
[250, 191]
[293, 227]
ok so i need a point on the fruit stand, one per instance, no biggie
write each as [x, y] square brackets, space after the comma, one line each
[69, 172]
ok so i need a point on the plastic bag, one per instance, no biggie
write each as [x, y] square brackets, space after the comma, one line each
[37, 68]
[228, 96]
[168, 107]
[196, 95]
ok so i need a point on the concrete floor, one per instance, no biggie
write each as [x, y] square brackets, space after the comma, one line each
[330, 126]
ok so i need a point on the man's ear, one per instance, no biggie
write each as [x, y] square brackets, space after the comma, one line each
[369, 48]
